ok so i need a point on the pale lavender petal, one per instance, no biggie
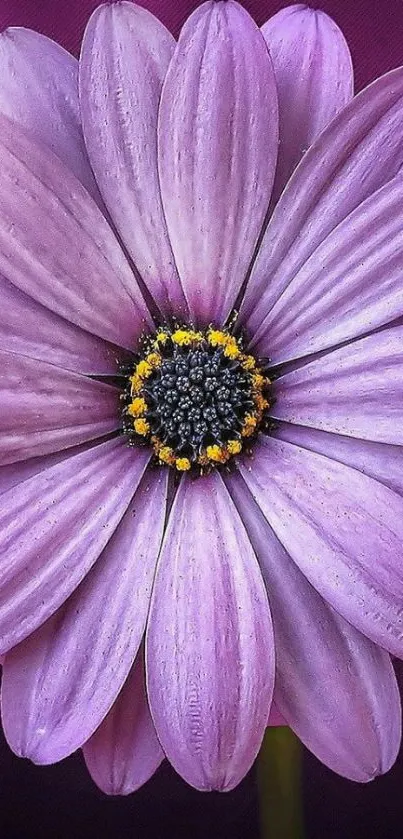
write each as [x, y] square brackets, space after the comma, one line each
[54, 526]
[124, 59]
[343, 530]
[124, 752]
[378, 460]
[39, 90]
[358, 290]
[275, 718]
[56, 245]
[218, 129]
[28, 328]
[46, 408]
[15, 473]
[59, 684]
[336, 174]
[356, 390]
[314, 77]
[336, 689]
[209, 643]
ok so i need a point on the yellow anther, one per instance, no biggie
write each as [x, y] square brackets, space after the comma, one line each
[182, 464]
[248, 362]
[234, 446]
[249, 425]
[138, 407]
[143, 369]
[217, 338]
[154, 359]
[166, 455]
[161, 337]
[261, 403]
[136, 384]
[185, 337]
[217, 454]
[231, 349]
[258, 381]
[141, 426]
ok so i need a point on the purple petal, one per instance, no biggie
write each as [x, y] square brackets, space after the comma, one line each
[124, 59]
[46, 408]
[378, 460]
[39, 90]
[218, 129]
[314, 77]
[54, 526]
[343, 530]
[59, 684]
[360, 289]
[356, 390]
[28, 328]
[124, 752]
[209, 647]
[15, 473]
[333, 178]
[336, 689]
[56, 245]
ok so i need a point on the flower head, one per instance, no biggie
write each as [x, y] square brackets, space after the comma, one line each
[201, 382]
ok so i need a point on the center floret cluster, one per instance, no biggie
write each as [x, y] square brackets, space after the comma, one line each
[195, 397]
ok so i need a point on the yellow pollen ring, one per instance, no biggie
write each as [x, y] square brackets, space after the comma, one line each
[182, 464]
[217, 454]
[138, 407]
[249, 425]
[186, 337]
[141, 427]
[234, 446]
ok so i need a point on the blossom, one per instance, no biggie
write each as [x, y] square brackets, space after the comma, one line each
[201, 384]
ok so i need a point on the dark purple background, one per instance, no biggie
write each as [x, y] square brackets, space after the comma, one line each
[61, 802]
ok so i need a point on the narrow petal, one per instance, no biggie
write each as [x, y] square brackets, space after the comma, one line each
[46, 408]
[218, 130]
[336, 174]
[124, 59]
[377, 460]
[54, 526]
[39, 90]
[359, 289]
[356, 390]
[336, 689]
[60, 683]
[56, 246]
[343, 530]
[15, 473]
[209, 646]
[124, 752]
[28, 328]
[314, 77]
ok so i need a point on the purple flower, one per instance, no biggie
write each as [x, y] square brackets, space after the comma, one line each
[272, 566]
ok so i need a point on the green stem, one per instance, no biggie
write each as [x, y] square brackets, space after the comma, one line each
[279, 785]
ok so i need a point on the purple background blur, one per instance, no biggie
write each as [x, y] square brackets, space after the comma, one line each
[60, 801]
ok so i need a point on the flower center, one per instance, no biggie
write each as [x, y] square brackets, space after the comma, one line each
[195, 397]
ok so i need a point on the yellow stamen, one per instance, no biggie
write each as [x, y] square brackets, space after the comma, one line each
[248, 362]
[249, 425]
[182, 464]
[137, 408]
[258, 381]
[185, 337]
[261, 403]
[154, 359]
[234, 446]
[216, 338]
[143, 369]
[136, 384]
[161, 337]
[141, 426]
[231, 349]
[217, 454]
[166, 455]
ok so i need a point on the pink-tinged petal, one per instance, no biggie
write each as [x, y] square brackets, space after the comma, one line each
[124, 752]
[28, 328]
[60, 683]
[46, 408]
[218, 130]
[314, 77]
[377, 460]
[56, 246]
[356, 390]
[351, 284]
[336, 689]
[124, 59]
[53, 528]
[39, 90]
[209, 643]
[343, 530]
[275, 718]
[335, 175]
